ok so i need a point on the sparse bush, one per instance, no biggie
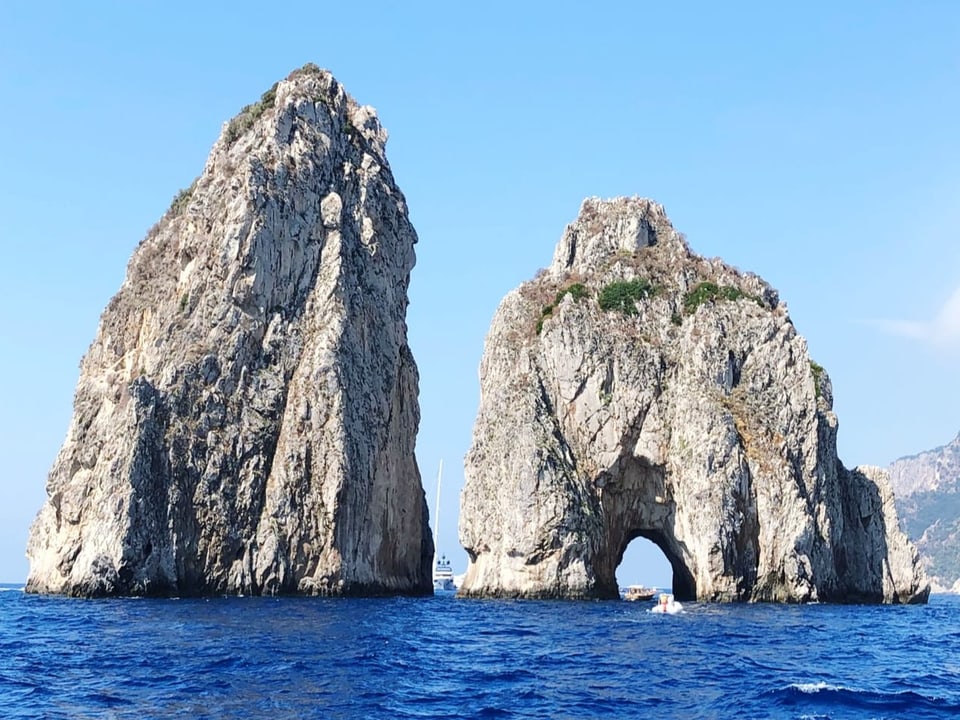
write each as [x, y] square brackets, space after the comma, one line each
[704, 292]
[711, 292]
[623, 295]
[249, 115]
[817, 371]
[269, 98]
[308, 69]
[578, 291]
[182, 198]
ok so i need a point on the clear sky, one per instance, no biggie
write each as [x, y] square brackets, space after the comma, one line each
[816, 145]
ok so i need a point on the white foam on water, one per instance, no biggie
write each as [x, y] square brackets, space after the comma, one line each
[811, 688]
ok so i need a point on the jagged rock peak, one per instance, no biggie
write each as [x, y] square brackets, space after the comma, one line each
[623, 236]
[605, 229]
[638, 389]
[299, 94]
[245, 418]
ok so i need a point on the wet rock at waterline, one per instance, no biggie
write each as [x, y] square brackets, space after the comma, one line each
[635, 389]
[245, 419]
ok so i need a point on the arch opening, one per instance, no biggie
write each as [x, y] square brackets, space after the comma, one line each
[636, 502]
[646, 559]
[643, 563]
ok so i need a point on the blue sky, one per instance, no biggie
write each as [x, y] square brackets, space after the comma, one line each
[814, 145]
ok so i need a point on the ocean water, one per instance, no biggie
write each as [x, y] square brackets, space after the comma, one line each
[442, 657]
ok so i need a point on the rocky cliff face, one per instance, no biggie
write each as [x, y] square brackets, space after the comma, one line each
[245, 419]
[637, 389]
[927, 488]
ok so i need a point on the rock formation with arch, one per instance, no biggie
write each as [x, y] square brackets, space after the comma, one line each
[634, 388]
[245, 419]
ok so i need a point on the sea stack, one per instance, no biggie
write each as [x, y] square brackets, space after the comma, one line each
[245, 419]
[636, 389]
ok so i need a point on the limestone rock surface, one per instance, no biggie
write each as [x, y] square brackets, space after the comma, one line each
[927, 489]
[245, 419]
[636, 389]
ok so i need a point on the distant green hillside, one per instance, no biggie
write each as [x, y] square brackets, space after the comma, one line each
[932, 520]
[927, 491]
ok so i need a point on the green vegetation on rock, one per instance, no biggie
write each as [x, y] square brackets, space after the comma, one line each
[817, 371]
[711, 292]
[182, 197]
[932, 520]
[308, 69]
[249, 115]
[578, 291]
[623, 295]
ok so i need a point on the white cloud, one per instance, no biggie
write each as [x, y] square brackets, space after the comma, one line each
[942, 331]
[946, 326]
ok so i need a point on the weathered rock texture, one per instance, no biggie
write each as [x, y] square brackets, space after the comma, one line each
[927, 489]
[689, 414]
[245, 419]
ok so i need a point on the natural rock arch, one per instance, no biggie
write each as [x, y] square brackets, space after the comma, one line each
[635, 388]
[633, 509]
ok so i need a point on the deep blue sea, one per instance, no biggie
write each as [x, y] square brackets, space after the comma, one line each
[447, 658]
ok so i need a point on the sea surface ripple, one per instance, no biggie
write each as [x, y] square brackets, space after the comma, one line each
[447, 658]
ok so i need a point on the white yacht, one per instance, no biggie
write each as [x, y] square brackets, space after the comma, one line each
[443, 575]
[442, 569]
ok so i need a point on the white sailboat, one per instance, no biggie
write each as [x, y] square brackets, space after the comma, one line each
[442, 570]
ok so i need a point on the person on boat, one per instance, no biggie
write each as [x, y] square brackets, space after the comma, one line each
[667, 605]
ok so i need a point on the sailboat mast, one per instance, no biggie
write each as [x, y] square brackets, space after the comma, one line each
[436, 514]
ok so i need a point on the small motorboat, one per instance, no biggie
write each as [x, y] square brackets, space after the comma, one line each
[639, 592]
[667, 605]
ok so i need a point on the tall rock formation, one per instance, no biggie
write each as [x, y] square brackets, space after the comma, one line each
[635, 389]
[927, 489]
[245, 419]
